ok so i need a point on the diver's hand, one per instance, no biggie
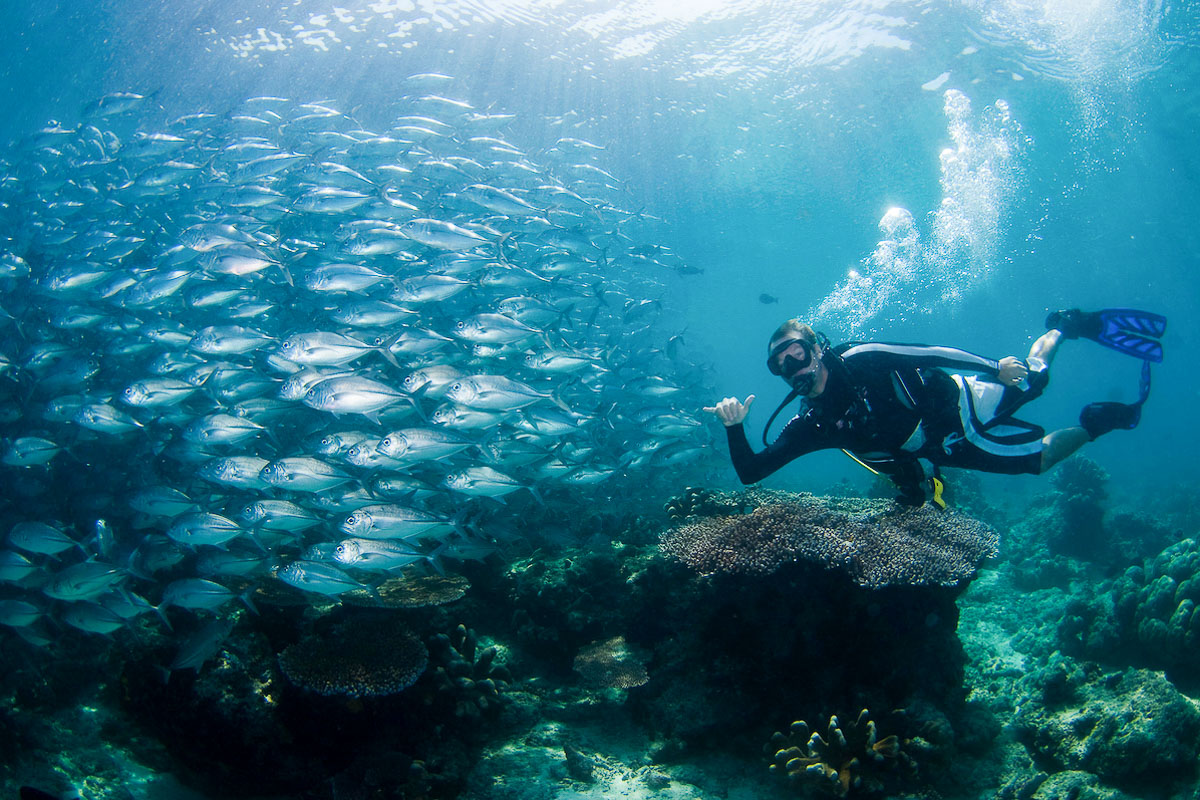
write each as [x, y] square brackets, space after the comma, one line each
[730, 411]
[1012, 371]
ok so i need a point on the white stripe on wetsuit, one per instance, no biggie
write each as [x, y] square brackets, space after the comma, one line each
[984, 397]
[952, 355]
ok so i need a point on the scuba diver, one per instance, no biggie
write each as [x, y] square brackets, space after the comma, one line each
[904, 410]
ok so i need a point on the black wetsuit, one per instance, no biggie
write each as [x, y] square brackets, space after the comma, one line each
[895, 408]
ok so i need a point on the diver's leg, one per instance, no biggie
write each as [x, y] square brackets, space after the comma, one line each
[1061, 443]
[1046, 346]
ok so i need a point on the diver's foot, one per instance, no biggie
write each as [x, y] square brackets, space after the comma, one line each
[1074, 323]
[1100, 418]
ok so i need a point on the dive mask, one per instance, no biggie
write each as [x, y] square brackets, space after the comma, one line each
[791, 364]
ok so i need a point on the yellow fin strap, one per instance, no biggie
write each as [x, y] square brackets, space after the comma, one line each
[938, 486]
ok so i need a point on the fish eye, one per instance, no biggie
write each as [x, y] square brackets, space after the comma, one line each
[460, 325]
[352, 519]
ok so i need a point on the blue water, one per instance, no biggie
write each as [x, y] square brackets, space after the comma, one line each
[772, 140]
[912, 171]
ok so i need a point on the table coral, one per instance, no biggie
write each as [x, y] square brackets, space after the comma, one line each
[874, 541]
[611, 664]
[358, 659]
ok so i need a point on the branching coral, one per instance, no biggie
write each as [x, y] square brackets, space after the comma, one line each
[876, 542]
[849, 758]
[700, 502]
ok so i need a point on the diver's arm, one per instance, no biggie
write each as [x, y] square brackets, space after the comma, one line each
[901, 356]
[752, 467]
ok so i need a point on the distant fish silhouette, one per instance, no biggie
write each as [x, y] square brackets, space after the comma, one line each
[767, 299]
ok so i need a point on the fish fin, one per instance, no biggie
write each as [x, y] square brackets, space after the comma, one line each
[162, 615]
[558, 401]
[460, 523]
[415, 399]
[434, 559]
[245, 597]
[385, 350]
[564, 319]
[500, 256]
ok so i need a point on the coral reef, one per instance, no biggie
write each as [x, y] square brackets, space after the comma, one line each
[875, 542]
[726, 650]
[611, 664]
[700, 502]
[1146, 617]
[641, 674]
[467, 675]
[1077, 509]
[849, 757]
[410, 592]
[1128, 727]
[358, 658]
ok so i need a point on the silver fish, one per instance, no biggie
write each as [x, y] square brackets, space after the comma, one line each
[83, 581]
[202, 527]
[314, 576]
[352, 395]
[92, 618]
[390, 521]
[303, 474]
[384, 554]
[29, 451]
[196, 594]
[482, 482]
[38, 537]
[441, 235]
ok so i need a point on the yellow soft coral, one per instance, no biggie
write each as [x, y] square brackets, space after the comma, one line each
[847, 758]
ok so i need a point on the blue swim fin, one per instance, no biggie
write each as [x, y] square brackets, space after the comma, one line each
[1125, 330]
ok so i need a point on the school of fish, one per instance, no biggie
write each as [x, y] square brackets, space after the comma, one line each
[267, 345]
